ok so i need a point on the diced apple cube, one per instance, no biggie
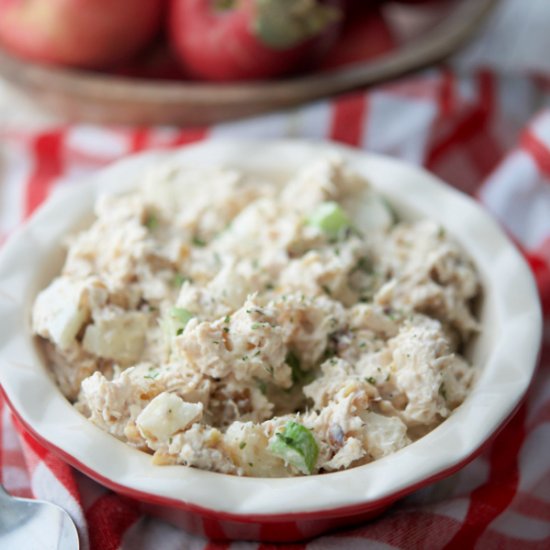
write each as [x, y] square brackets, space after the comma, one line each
[60, 311]
[117, 335]
[166, 415]
[385, 434]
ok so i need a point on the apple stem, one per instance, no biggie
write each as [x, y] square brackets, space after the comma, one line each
[224, 5]
[283, 24]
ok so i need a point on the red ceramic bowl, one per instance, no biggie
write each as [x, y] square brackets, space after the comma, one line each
[232, 508]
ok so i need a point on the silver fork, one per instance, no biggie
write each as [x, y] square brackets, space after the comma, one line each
[27, 524]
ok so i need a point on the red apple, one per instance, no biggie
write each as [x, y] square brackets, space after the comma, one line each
[80, 33]
[252, 39]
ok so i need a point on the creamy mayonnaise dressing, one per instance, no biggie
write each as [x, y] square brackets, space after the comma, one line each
[239, 326]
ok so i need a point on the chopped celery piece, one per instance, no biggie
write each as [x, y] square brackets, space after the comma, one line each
[299, 376]
[297, 446]
[294, 363]
[197, 241]
[180, 317]
[330, 218]
[179, 279]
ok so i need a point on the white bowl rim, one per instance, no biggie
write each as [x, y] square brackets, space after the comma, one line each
[507, 371]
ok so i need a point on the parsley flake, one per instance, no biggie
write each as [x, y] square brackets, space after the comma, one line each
[151, 222]
[326, 290]
[153, 374]
[197, 241]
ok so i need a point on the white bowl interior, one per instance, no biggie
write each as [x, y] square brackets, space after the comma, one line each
[505, 352]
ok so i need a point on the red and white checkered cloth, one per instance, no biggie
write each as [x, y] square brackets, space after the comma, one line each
[487, 135]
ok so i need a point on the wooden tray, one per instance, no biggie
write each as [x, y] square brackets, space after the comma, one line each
[423, 35]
